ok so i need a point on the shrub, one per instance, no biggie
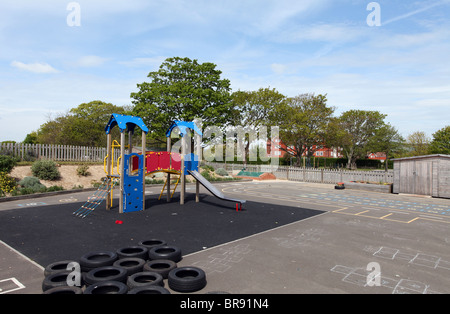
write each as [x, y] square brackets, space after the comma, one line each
[83, 170]
[55, 188]
[31, 185]
[207, 167]
[45, 170]
[222, 172]
[7, 183]
[7, 163]
[207, 175]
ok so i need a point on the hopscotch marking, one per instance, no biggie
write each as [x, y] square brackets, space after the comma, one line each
[10, 285]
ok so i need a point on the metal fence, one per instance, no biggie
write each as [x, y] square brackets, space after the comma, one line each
[31, 152]
[312, 174]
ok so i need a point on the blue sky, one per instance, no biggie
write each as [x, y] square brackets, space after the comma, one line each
[400, 68]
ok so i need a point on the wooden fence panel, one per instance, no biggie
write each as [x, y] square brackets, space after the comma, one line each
[29, 152]
[315, 175]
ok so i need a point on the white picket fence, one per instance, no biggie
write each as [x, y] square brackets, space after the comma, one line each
[55, 152]
[314, 175]
[98, 154]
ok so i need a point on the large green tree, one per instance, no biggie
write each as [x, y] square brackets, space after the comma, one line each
[417, 144]
[388, 140]
[357, 129]
[81, 126]
[303, 124]
[183, 89]
[441, 142]
[253, 110]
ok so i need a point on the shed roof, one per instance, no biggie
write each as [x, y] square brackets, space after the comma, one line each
[422, 157]
[124, 122]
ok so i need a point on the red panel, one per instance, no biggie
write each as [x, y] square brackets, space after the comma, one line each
[176, 161]
[164, 160]
[152, 162]
[135, 163]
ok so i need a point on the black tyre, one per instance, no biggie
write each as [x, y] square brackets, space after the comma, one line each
[217, 292]
[166, 252]
[56, 267]
[149, 290]
[55, 280]
[64, 290]
[106, 273]
[151, 243]
[132, 264]
[187, 279]
[97, 259]
[143, 279]
[161, 266]
[107, 287]
[133, 251]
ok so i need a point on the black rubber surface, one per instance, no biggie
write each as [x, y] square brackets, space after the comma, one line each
[50, 233]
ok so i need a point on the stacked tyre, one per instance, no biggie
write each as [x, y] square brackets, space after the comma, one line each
[140, 269]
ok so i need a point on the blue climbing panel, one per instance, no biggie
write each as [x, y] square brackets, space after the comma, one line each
[191, 162]
[133, 190]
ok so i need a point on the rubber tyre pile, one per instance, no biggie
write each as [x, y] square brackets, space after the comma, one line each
[140, 269]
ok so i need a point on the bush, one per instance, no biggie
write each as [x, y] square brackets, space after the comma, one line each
[31, 185]
[222, 172]
[207, 175]
[7, 184]
[207, 167]
[83, 170]
[55, 188]
[45, 170]
[7, 163]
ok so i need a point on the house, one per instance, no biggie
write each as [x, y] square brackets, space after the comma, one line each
[377, 156]
[278, 149]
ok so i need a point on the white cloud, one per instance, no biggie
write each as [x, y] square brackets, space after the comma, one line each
[278, 68]
[91, 61]
[34, 67]
[152, 62]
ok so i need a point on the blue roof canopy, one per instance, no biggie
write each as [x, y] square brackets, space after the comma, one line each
[182, 125]
[124, 122]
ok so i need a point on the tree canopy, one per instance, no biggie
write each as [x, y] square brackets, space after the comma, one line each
[441, 141]
[183, 89]
[81, 126]
[303, 123]
[358, 127]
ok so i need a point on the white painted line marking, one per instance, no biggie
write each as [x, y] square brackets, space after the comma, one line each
[23, 256]
[16, 282]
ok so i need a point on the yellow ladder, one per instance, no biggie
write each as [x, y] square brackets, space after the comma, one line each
[165, 184]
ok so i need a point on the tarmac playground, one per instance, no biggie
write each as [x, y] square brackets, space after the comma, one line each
[291, 238]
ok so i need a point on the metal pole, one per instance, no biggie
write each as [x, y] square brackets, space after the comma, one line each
[144, 171]
[183, 177]
[198, 142]
[169, 148]
[122, 168]
[109, 153]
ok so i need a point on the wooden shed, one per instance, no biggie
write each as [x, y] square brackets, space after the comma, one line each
[423, 175]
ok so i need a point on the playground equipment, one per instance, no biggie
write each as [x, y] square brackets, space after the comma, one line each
[132, 168]
[95, 200]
